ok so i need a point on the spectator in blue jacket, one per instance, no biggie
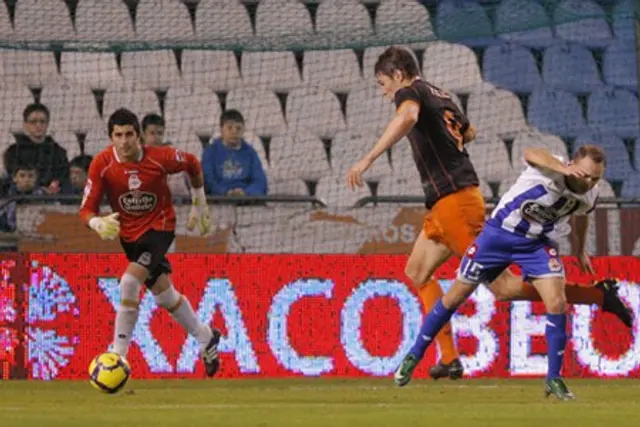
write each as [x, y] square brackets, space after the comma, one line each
[230, 165]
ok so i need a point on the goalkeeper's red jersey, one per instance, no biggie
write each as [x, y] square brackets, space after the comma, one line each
[137, 190]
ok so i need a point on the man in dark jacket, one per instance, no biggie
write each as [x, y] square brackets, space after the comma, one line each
[35, 147]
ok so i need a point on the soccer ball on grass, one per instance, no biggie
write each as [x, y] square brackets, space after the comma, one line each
[109, 372]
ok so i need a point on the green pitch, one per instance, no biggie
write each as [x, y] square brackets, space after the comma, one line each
[318, 402]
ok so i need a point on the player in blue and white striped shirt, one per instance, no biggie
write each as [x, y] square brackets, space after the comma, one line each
[523, 230]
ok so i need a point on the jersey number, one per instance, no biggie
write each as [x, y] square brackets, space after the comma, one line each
[454, 127]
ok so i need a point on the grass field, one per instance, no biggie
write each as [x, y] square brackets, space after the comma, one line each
[318, 402]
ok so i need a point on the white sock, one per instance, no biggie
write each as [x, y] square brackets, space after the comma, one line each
[126, 319]
[184, 314]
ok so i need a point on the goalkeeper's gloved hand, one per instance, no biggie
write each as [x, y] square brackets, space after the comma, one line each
[108, 227]
[199, 217]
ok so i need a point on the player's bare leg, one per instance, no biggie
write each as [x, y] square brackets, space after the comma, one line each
[127, 311]
[551, 289]
[427, 255]
[166, 296]
[509, 287]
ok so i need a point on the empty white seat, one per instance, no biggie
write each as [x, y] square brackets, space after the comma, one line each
[73, 107]
[32, 16]
[6, 30]
[222, 21]
[337, 70]
[299, 156]
[193, 108]
[276, 71]
[452, 67]
[185, 140]
[33, 68]
[405, 20]
[339, 21]
[140, 101]
[489, 157]
[333, 191]
[254, 140]
[95, 22]
[367, 110]
[96, 140]
[401, 185]
[163, 20]
[14, 97]
[533, 138]
[283, 21]
[98, 70]
[216, 69]
[496, 112]
[316, 110]
[486, 190]
[67, 140]
[261, 110]
[155, 69]
[349, 147]
[290, 187]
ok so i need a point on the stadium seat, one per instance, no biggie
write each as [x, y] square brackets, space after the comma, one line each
[73, 106]
[512, 67]
[370, 57]
[14, 97]
[185, 140]
[275, 71]
[95, 23]
[333, 191]
[350, 146]
[194, 108]
[337, 70]
[316, 110]
[153, 69]
[496, 112]
[402, 157]
[533, 138]
[486, 190]
[400, 185]
[571, 68]
[514, 20]
[605, 191]
[591, 30]
[614, 111]
[6, 30]
[465, 22]
[254, 140]
[405, 20]
[33, 68]
[283, 21]
[555, 111]
[490, 158]
[197, 67]
[451, 67]
[290, 187]
[624, 22]
[140, 101]
[32, 16]
[620, 66]
[367, 110]
[631, 187]
[337, 22]
[223, 22]
[163, 20]
[260, 108]
[300, 156]
[98, 70]
[67, 140]
[96, 140]
[618, 162]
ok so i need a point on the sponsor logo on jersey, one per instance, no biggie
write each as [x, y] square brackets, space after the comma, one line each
[138, 202]
[534, 211]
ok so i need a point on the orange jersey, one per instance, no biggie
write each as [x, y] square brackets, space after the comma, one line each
[137, 190]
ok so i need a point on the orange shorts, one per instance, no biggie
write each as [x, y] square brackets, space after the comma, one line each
[456, 219]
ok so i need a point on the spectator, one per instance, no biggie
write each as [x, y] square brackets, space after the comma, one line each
[35, 147]
[153, 134]
[78, 170]
[231, 166]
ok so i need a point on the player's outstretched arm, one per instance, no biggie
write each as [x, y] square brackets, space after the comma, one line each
[581, 225]
[405, 118]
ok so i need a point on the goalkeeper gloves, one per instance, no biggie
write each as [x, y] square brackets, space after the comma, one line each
[108, 227]
[199, 217]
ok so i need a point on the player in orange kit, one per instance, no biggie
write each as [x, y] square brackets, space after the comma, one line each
[134, 179]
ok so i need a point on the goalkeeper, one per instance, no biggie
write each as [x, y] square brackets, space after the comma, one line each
[134, 179]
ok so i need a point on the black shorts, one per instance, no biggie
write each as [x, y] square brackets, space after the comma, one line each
[150, 251]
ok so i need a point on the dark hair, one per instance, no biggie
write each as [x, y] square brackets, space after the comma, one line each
[152, 120]
[397, 59]
[82, 161]
[123, 117]
[24, 167]
[32, 108]
[594, 152]
[231, 116]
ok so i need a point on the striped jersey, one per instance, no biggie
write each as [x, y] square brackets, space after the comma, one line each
[538, 205]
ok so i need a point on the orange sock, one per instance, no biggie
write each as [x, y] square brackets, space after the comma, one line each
[430, 293]
[576, 294]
